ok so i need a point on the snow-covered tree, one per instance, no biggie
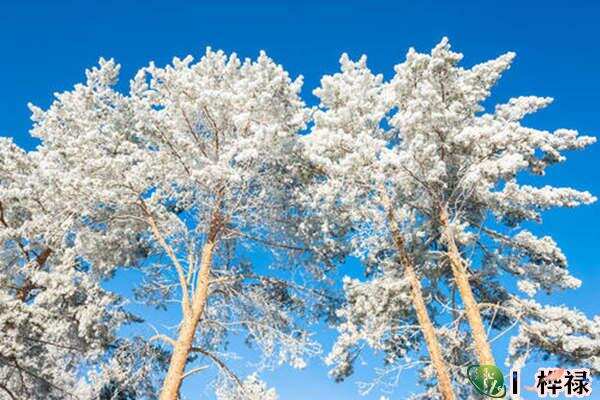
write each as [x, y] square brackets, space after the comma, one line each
[199, 170]
[464, 168]
[194, 162]
[420, 150]
[252, 388]
[55, 317]
[353, 186]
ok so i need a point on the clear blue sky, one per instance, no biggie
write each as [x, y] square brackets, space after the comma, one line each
[46, 46]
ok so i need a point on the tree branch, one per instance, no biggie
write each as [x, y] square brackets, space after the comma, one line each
[185, 301]
[220, 364]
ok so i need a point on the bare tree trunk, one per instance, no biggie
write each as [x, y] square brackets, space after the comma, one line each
[191, 318]
[433, 345]
[461, 277]
[181, 350]
[427, 328]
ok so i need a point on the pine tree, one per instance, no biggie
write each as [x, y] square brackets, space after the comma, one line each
[194, 160]
[353, 187]
[421, 150]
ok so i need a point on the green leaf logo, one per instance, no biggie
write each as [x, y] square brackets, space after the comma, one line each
[487, 380]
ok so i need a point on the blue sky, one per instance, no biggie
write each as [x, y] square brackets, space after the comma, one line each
[46, 46]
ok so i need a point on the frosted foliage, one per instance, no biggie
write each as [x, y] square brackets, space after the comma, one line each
[252, 388]
[379, 313]
[130, 373]
[213, 151]
[556, 330]
[54, 315]
[419, 144]
[194, 152]
[453, 343]
[265, 311]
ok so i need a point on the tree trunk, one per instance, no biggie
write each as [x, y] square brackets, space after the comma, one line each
[461, 278]
[181, 350]
[191, 318]
[427, 328]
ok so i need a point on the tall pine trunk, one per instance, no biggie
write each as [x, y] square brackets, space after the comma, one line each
[184, 343]
[461, 278]
[427, 328]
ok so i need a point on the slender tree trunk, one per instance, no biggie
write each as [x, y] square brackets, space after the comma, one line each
[181, 350]
[461, 277]
[191, 318]
[427, 328]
